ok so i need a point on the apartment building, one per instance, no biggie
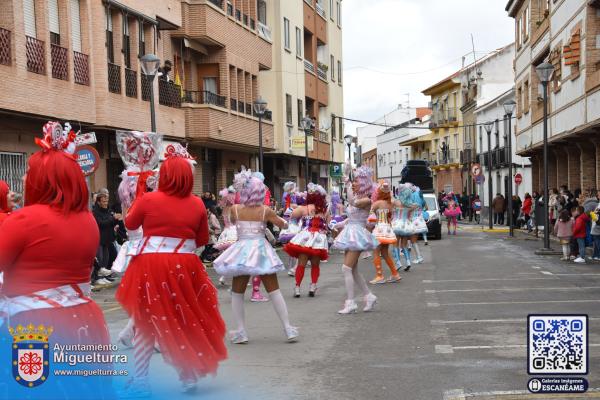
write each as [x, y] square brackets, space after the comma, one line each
[78, 61]
[564, 33]
[305, 81]
[446, 134]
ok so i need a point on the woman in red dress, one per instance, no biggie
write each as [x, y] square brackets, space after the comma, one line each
[46, 254]
[166, 289]
[4, 203]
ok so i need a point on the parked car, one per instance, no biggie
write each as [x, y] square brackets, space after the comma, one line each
[434, 225]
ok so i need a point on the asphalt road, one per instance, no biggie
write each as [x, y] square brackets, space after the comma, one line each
[454, 328]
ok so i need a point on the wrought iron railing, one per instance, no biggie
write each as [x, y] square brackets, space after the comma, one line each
[218, 3]
[204, 97]
[169, 94]
[81, 68]
[5, 57]
[252, 24]
[229, 9]
[245, 19]
[264, 31]
[320, 10]
[238, 14]
[233, 104]
[114, 78]
[241, 106]
[36, 55]
[323, 136]
[321, 72]
[130, 83]
[59, 61]
[248, 109]
[145, 83]
[309, 66]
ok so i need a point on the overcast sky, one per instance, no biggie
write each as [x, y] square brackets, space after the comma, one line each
[395, 47]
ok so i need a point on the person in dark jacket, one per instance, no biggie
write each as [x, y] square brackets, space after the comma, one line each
[106, 254]
[579, 231]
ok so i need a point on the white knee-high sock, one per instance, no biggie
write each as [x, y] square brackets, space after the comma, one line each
[417, 249]
[349, 281]
[565, 250]
[280, 307]
[143, 348]
[360, 281]
[237, 305]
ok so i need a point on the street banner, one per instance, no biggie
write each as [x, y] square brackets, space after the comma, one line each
[298, 143]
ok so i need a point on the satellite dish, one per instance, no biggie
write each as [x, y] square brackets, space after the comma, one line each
[523, 141]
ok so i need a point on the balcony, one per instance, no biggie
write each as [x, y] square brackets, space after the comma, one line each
[233, 104]
[500, 158]
[130, 83]
[60, 64]
[81, 68]
[323, 136]
[169, 94]
[5, 57]
[204, 97]
[36, 55]
[114, 78]
[248, 109]
[218, 3]
[238, 15]
[322, 69]
[321, 10]
[229, 9]
[309, 66]
[145, 87]
[264, 31]
[452, 157]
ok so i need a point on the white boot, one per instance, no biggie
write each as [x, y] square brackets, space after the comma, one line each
[350, 307]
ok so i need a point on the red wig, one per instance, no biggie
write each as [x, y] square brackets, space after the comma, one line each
[176, 177]
[54, 178]
[318, 200]
[4, 189]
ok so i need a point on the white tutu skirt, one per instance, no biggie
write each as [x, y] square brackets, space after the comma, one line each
[419, 224]
[384, 233]
[126, 252]
[248, 257]
[403, 227]
[355, 237]
[226, 238]
[285, 235]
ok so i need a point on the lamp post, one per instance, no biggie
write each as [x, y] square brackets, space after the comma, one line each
[488, 128]
[544, 71]
[348, 139]
[150, 64]
[392, 164]
[307, 125]
[509, 108]
[260, 108]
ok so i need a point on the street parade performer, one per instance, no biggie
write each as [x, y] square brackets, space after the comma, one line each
[252, 254]
[166, 289]
[5, 208]
[402, 223]
[418, 222]
[229, 234]
[289, 201]
[355, 238]
[46, 254]
[382, 206]
[310, 244]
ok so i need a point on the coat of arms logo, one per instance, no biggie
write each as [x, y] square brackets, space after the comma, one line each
[30, 354]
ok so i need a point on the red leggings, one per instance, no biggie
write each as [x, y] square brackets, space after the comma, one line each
[315, 271]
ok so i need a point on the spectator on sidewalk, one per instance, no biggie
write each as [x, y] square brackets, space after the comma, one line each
[591, 200]
[526, 209]
[579, 233]
[107, 222]
[499, 208]
[553, 206]
[595, 232]
[465, 205]
[563, 229]
[516, 210]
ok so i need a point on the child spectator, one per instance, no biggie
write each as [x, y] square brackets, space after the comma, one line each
[563, 229]
[579, 233]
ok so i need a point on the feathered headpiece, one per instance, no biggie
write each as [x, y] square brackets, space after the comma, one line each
[289, 186]
[177, 150]
[314, 188]
[57, 138]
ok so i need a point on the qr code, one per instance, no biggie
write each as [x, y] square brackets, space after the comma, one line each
[557, 344]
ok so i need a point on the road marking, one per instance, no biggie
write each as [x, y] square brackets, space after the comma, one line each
[444, 349]
[546, 273]
[431, 291]
[520, 302]
[577, 274]
[455, 394]
[488, 279]
[459, 394]
[536, 267]
[433, 304]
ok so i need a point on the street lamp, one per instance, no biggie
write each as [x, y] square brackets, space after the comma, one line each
[544, 71]
[307, 125]
[348, 139]
[488, 128]
[260, 108]
[509, 109]
[392, 164]
[150, 64]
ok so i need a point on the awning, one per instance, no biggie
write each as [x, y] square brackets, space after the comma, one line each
[131, 11]
[194, 45]
[420, 139]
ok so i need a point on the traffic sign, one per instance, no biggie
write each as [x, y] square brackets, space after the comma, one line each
[479, 179]
[518, 179]
[475, 170]
[88, 159]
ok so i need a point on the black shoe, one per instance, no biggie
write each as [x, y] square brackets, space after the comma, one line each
[407, 267]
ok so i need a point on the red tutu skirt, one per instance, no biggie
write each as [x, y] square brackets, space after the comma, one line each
[295, 250]
[171, 298]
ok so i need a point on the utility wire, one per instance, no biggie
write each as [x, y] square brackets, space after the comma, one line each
[399, 126]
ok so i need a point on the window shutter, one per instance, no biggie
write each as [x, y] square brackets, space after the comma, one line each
[75, 26]
[29, 17]
[53, 16]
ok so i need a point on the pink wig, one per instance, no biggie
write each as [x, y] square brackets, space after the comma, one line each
[227, 197]
[127, 189]
[251, 188]
[363, 176]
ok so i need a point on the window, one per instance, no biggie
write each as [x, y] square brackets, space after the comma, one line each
[209, 84]
[519, 102]
[126, 42]
[300, 111]
[394, 156]
[339, 63]
[298, 42]
[526, 97]
[333, 133]
[339, 14]
[286, 33]
[110, 49]
[141, 39]
[518, 32]
[75, 26]
[525, 26]
[262, 12]
[14, 166]
[341, 121]
[332, 67]
[331, 9]
[288, 109]
[556, 61]
[29, 17]
[54, 22]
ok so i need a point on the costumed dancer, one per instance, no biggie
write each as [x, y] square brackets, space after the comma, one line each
[252, 254]
[382, 204]
[166, 289]
[285, 235]
[451, 213]
[5, 204]
[336, 211]
[311, 243]
[355, 238]
[229, 234]
[46, 254]
[418, 222]
[402, 222]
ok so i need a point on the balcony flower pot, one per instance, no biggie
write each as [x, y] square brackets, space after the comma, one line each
[322, 66]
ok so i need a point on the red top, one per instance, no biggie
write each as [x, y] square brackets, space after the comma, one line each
[579, 231]
[42, 248]
[162, 215]
[527, 204]
[3, 216]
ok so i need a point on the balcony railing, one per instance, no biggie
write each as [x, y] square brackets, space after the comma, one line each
[233, 104]
[264, 31]
[323, 136]
[309, 2]
[218, 3]
[81, 68]
[204, 97]
[36, 55]
[114, 78]
[145, 87]
[252, 24]
[309, 66]
[5, 58]
[169, 94]
[229, 9]
[500, 158]
[248, 109]
[130, 83]
[321, 72]
[238, 14]
[320, 10]
[60, 64]
[241, 106]
[245, 19]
